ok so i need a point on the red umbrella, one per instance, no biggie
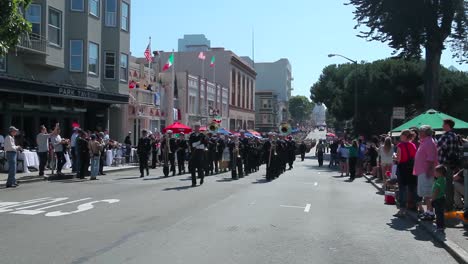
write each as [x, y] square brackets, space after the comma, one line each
[331, 135]
[203, 128]
[177, 128]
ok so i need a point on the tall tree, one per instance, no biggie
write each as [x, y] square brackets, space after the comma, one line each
[300, 108]
[12, 23]
[407, 26]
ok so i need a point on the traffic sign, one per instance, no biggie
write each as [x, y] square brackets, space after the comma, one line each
[398, 113]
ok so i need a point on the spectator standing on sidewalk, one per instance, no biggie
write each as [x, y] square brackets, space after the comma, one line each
[95, 148]
[386, 157]
[42, 141]
[333, 154]
[74, 151]
[2, 140]
[83, 154]
[459, 189]
[406, 151]
[353, 157]
[449, 150]
[59, 149]
[343, 155]
[11, 154]
[438, 196]
[128, 146]
[424, 165]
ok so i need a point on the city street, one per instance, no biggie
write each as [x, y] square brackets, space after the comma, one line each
[308, 215]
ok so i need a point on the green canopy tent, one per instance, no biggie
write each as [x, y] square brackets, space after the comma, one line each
[432, 118]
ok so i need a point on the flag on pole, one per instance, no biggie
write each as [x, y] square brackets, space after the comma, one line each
[212, 63]
[169, 62]
[148, 53]
[201, 56]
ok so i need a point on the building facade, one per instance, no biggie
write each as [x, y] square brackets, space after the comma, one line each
[266, 111]
[229, 71]
[195, 42]
[276, 77]
[72, 69]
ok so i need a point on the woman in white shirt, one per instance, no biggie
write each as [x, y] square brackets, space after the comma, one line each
[386, 157]
[343, 153]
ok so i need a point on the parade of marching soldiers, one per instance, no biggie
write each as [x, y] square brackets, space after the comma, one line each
[212, 152]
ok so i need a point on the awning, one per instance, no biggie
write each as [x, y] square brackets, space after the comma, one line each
[433, 118]
[24, 86]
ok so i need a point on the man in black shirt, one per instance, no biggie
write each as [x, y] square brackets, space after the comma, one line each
[181, 149]
[143, 151]
[197, 143]
[333, 154]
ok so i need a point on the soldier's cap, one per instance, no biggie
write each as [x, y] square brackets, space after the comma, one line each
[242, 131]
[129, 132]
[12, 128]
[169, 131]
[197, 124]
[271, 133]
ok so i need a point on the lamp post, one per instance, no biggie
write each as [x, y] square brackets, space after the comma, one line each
[355, 87]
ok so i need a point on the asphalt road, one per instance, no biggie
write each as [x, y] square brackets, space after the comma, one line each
[308, 215]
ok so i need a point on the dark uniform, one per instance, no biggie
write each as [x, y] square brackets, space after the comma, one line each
[245, 153]
[211, 156]
[83, 152]
[197, 144]
[282, 151]
[302, 150]
[236, 160]
[291, 152]
[181, 150]
[143, 151]
[154, 152]
[170, 156]
[220, 145]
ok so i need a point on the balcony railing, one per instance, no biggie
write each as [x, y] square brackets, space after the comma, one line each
[142, 96]
[33, 42]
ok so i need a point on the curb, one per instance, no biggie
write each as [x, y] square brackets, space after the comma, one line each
[33, 179]
[457, 252]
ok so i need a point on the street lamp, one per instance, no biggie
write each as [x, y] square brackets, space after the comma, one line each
[355, 87]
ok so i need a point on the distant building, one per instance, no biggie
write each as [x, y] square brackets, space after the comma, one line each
[266, 111]
[230, 71]
[276, 77]
[72, 69]
[194, 42]
[319, 115]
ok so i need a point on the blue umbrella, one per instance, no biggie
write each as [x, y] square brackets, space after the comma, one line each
[224, 131]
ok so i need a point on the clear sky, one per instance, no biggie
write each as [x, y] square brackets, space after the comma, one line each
[304, 31]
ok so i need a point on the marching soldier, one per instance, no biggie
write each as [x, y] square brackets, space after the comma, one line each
[291, 151]
[143, 151]
[181, 150]
[281, 149]
[302, 149]
[197, 144]
[244, 141]
[168, 147]
[270, 157]
[210, 154]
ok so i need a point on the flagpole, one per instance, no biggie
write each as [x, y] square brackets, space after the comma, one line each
[149, 64]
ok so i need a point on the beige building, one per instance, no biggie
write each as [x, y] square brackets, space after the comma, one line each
[230, 71]
[72, 68]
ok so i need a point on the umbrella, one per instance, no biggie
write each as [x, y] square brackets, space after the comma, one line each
[255, 133]
[177, 128]
[224, 131]
[432, 118]
[331, 135]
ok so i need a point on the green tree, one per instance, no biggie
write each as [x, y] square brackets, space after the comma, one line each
[407, 26]
[382, 85]
[12, 23]
[300, 108]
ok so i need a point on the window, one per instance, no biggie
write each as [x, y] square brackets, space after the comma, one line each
[33, 15]
[93, 58]
[123, 67]
[233, 87]
[2, 64]
[94, 7]
[111, 13]
[55, 27]
[76, 55]
[125, 14]
[265, 103]
[109, 65]
[77, 5]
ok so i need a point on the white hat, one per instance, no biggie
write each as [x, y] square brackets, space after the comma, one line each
[197, 124]
[169, 131]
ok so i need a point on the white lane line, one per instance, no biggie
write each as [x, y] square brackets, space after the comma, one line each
[54, 200]
[291, 206]
[311, 183]
[55, 205]
[307, 208]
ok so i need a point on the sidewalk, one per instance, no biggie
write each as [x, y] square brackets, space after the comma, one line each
[34, 176]
[455, 239]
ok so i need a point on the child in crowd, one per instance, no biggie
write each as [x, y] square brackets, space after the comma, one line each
[438, 196]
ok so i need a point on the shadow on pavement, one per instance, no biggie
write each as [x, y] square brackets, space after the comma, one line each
[128, 178]
[157, 178]
[225, 180]
[180, 188]
[401, 224]
[260, 181]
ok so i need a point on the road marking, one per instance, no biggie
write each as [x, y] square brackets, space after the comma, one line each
[311, 183]
[19, 208]
[306, 208]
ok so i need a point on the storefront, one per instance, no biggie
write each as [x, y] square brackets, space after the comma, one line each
[29, 104]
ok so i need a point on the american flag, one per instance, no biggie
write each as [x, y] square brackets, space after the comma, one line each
[148, 53]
